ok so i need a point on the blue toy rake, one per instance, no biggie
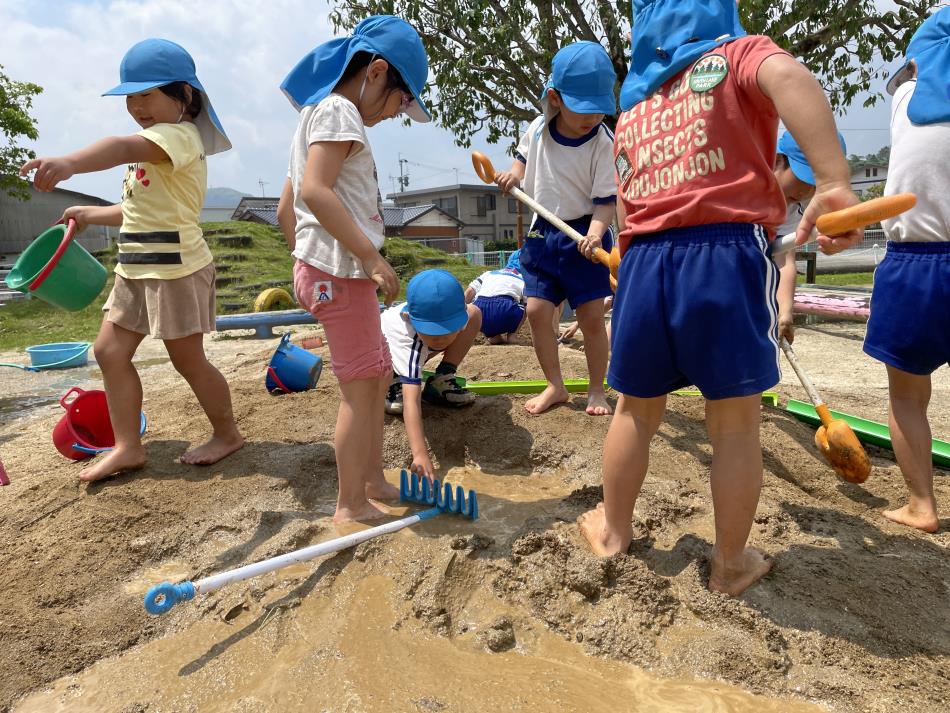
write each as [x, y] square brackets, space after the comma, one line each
[162, 597]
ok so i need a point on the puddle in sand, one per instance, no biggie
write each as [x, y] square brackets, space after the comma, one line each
[167, 572]
[357, 647]
[14, 407]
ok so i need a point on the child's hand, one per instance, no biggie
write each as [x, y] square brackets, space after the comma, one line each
[79, 213]
[568, 332]
[828, 199]
[588, 245]
[786, 326]
[49, 171]
[507, 180]
[382, 273]
[422, 466]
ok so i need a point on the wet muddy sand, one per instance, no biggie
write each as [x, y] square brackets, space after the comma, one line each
[509, 613]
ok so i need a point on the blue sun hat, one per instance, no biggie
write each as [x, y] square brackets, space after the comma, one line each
[435, 303]
[584, 76]
[789, 148]
[930, 50]
[391, 38]
[514, 261]
[668, 36]
[156, 62]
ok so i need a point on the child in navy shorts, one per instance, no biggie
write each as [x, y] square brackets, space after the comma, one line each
[695, 299]
[499, 295]
[565, 161]
[909, 328]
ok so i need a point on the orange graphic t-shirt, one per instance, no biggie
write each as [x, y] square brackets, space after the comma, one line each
[702, 148]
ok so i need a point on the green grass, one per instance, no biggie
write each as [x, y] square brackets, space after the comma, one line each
[844, 279]
[266, 263]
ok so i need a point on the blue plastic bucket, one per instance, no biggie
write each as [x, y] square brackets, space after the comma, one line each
[61, 355]
[292, 368]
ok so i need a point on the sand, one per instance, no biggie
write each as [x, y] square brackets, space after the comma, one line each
[509, 613]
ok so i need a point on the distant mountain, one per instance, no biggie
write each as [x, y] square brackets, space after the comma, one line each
[223, 198]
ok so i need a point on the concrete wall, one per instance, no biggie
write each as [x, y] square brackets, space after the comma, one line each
[22, 221]
[209, 215]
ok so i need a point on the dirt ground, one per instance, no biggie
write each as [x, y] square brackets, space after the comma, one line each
[511, 612]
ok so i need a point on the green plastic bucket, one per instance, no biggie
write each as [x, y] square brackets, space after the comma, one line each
[75, 279]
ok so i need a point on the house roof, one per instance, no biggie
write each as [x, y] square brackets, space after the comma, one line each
[249, 202]
[266, 215]
[399, 217]
[480, 187]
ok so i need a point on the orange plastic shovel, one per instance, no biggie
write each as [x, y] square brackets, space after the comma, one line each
[834, 438]
[857, 216]
[485, 171]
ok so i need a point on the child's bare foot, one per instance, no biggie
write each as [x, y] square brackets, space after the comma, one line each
[113, 463]
[733, 579]
[213, 450]
[369, 511]
[551, 396]
[381, 489]
[593, 526]
[925, 520]
[597, 404]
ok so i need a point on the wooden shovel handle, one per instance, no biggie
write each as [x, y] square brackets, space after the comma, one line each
[867, 213]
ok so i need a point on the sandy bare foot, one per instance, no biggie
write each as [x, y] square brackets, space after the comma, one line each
[382, 490]
[735, 580]
[926, 521]
[551, 396]
[593, 526]
[114, 463]
[212, 450]
[360, 514]
[597, 404]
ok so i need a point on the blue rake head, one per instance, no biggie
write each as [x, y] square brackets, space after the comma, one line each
[416, 489]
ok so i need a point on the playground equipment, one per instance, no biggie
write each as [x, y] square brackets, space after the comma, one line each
[263, 323]
[59, 355]
[162, 597]
[486, 171]
[58, 271]
[877, 434]
[857, 216]
[85, 429]
[272, 299]
[292, 368]
[834, 438]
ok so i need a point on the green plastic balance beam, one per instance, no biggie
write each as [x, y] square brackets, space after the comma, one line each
[574, 386]
[876, 434]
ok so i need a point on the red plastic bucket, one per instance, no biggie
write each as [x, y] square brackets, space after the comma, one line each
[85, 429]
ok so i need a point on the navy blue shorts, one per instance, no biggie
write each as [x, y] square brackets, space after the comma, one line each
[500, 315]
[909, 326]
[696, 306]
[555, 270]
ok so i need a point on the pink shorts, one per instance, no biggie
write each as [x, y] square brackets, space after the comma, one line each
[349, 311]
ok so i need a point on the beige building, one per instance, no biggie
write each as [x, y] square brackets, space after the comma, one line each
[484, 212]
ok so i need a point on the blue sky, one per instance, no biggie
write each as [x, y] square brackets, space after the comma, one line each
[243, 49]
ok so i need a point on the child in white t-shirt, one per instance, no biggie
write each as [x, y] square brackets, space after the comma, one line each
[330, 214]
[565, 160]
[434, 319]
[499, 296]
[909, 327]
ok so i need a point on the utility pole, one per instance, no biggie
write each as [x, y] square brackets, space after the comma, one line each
[403, 174]
[261, 182]
[456, 176]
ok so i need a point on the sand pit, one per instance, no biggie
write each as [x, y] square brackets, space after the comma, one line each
[509, 613]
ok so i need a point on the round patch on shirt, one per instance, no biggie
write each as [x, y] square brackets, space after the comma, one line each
[708, 72]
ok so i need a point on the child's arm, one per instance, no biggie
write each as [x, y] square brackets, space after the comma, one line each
[803, 108]
[324, 162]
[469, 295]
[286, 218]
[507, 180]
[788, 276]
[412, 417]
[603, 217]
[103, 154]
[93, 215]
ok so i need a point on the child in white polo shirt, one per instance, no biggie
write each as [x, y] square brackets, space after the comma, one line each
[499, 295]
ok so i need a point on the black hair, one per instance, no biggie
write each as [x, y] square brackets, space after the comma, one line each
[176, 90]
[361, 61]
[783, 160]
